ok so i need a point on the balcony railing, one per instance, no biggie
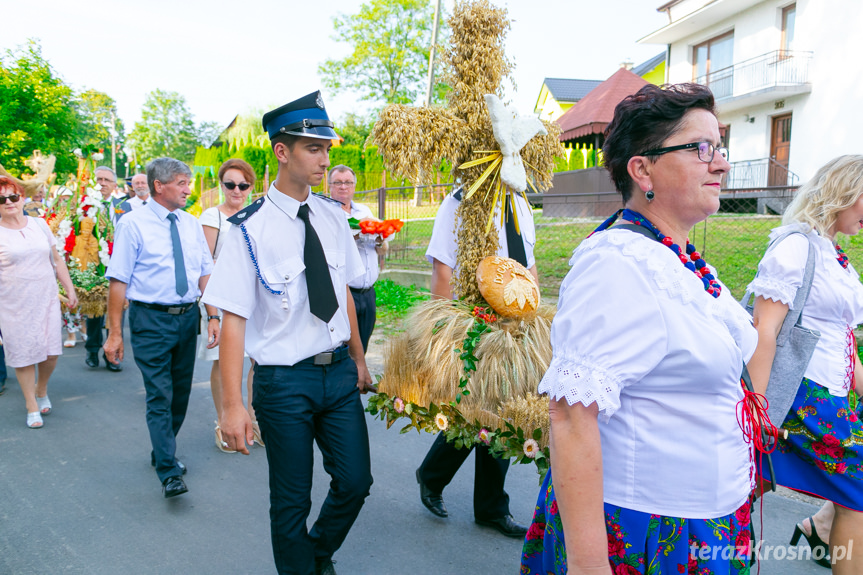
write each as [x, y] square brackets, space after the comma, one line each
[759, 173]
[780, 68]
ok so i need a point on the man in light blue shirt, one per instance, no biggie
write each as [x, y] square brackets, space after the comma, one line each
[161, 264]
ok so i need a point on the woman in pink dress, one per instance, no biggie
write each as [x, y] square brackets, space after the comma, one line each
[31, 331]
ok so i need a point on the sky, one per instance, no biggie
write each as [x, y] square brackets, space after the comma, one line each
[228, 57]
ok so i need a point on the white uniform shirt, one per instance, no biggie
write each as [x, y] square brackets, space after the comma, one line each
[834, 305]
[275, 335]
[366, 247]
[143, 255]
[135, 202]
[442, 245]
[637, 334]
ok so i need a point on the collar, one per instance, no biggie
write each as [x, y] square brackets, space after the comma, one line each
[288, 204]
[160, 210]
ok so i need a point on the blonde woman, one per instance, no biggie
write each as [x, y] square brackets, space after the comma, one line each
[237, 179]
[30, 264]
[823, 454]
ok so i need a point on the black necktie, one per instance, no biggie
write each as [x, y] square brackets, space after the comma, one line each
[514, 243]
[180, 280]
[322, 297]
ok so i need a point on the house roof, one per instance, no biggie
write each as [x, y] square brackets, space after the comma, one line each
[570, 90]
[649, 65]
[592, 114]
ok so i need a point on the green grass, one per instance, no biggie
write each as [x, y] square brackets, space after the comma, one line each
[732, 244]
[394, 302]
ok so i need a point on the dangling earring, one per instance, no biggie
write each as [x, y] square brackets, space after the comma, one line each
[649, 195]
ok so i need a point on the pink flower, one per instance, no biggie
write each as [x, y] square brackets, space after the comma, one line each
[484, 435]
[615, 546]
[399, 405]
[536, 531]
[742, 516]
[841, 468]
[552, 509]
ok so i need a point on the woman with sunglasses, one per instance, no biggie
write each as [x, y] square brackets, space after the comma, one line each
[237, 179]
[29, 263]
[823, 452]
[650, 472]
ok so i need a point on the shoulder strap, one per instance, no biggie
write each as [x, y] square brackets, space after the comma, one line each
[637, 229]
[218, 232]
[241, 216]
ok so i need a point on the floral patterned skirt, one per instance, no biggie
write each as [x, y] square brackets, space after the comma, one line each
[640, 543]
[823, 455]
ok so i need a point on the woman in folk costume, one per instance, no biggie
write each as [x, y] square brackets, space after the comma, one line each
[648, 463]
[823, 452]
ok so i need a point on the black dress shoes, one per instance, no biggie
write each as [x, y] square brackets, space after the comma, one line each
[506, 525]
[180, 465]
[115, 367]
[92, 359]
[325, 567]
[433, 501]
[174, 486]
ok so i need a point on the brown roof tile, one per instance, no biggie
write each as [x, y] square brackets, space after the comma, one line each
[591, 114]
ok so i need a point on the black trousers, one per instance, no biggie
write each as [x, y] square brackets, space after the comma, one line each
[164, 347]
[443, 460]
[364, 302]
[297, 406]
[95, 325]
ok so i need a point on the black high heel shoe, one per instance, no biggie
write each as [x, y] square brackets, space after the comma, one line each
[820, 551]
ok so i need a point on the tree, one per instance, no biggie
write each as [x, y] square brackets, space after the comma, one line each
[167, 128]
[98, 116]
[37, 111]
[390, 41]
[355, 129]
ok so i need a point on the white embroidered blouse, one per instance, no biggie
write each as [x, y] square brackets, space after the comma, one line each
[637, 334]
[834, 305]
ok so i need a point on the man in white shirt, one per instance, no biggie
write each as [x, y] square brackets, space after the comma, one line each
[161, 263]
[342, 183]
[282, 284]
[142, 191]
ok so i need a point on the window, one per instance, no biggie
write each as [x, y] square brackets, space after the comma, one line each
[712, 64]
[789, 18]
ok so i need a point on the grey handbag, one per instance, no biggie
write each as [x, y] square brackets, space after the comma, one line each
[794, 344]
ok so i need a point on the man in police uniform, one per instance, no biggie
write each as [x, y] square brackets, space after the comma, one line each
[490, 500]
[282, 283]
[161, 263]
[342, 183]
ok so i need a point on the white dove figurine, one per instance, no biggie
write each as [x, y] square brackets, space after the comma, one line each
[512, 132]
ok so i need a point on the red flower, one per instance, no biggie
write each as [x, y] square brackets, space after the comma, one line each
[742, 516]
[536, 531]
[110, 248]
[841, 468]
[852, 417]
[70, 242]
[831, 440]
[742, 542]
[624, 569]
[552, 509]
[820, 465]
[692, 566]
[615, 546]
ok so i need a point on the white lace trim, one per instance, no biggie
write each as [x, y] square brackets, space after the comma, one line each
[669, 275]
[770, 288]
[582, 380]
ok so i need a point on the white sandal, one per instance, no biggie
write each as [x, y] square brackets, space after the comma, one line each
[44, 405]
[34, 420]
[70, 343]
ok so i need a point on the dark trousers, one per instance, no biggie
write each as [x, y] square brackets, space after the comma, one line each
[364, 302]
[296, 406]
[164, 347]
[2, 365]
[443, 460]
[95, 325]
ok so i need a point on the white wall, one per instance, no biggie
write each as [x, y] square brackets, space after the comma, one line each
[826, 122]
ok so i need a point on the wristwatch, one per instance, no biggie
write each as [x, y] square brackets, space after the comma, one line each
[215, 317]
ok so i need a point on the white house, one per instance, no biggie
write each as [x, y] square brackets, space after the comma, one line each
[787, 77]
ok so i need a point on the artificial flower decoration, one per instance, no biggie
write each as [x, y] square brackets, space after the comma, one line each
[531, 447]
[399, 405]
[441, 421]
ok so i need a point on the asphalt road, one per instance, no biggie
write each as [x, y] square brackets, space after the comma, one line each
[79, 496]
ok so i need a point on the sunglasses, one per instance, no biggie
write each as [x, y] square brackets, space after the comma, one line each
[243, 186]
[13, 198]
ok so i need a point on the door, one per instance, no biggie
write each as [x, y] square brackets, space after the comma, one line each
[780, 151]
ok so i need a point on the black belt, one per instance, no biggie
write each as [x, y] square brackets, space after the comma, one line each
[362, 290]
[327, 358]
[177, 309]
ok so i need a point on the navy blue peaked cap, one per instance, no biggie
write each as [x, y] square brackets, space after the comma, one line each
[304, 116]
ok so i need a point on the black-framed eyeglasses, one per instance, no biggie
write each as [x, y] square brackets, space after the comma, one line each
[342, 184]
[13, 198]
[706, 151]
[242, 185]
